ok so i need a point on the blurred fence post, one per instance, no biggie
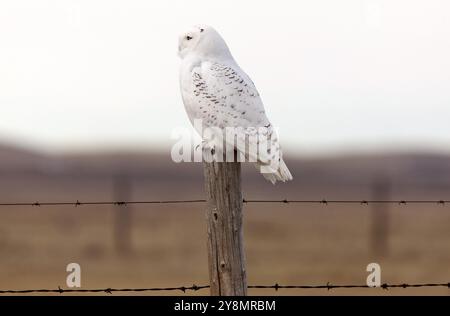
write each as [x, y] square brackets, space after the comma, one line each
[379, 234]
[122, 215]
[226, 259]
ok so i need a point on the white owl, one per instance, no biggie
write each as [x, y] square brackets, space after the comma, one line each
[218, 92]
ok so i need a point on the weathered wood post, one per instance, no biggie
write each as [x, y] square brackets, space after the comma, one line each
[379, 238]
[227, 271]
[122, 217]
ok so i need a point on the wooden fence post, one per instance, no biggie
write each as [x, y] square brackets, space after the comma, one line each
[122, 215]
[226, 259]
[379, 238]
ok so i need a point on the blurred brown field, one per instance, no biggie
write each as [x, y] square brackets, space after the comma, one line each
[305, 244]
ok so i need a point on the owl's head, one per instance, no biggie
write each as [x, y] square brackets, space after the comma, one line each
[202, 40]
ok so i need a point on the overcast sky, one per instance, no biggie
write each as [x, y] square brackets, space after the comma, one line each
[334, 75]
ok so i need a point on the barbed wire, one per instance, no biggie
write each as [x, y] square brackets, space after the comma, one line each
[194, 287]
[117, 203]
[184, 289]
[284, 201]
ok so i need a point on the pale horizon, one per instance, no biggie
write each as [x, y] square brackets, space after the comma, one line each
[353, 76]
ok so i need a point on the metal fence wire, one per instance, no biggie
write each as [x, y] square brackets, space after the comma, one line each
[184, 289]
[283, 201]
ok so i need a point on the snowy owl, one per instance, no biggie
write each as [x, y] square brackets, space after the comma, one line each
[219, 94]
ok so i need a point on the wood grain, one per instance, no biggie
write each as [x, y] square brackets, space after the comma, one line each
[226, 257]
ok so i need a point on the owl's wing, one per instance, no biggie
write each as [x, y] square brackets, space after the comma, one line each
[225, 96]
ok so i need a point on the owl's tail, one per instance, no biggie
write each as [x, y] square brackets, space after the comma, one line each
[281, 174]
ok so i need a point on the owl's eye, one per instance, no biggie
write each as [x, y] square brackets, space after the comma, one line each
[188, 37]
[201, 30]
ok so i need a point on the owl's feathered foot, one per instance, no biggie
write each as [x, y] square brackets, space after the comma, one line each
[208, 151]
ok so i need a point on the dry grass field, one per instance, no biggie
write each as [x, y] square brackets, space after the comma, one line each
[285, 243]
